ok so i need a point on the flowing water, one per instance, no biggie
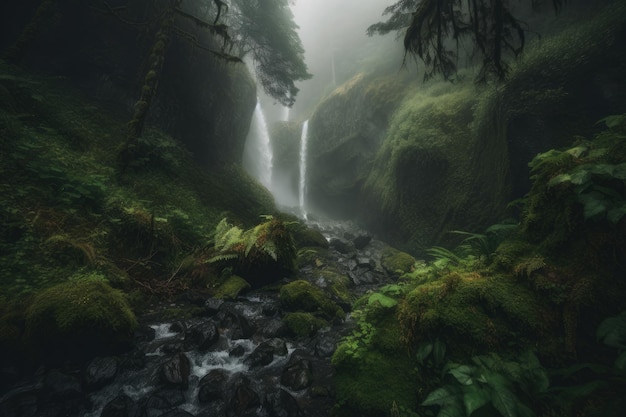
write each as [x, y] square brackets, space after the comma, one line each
[257, 154]
[303, 155]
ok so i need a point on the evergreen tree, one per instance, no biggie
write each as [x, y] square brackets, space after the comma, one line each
[430, 25]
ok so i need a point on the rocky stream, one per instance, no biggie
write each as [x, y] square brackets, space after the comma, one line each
[237, 358]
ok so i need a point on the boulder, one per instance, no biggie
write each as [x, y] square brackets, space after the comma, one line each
[121, 406]
[282, 404]
[297, 374]
[361, 241]
[261, 356]
[176, 371]
[100, 372]
[211, 386]
[202, 336]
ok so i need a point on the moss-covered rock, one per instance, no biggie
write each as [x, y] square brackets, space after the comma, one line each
[231, 288]
[303, 296]
[304, 324]
[304, 236]
[396, 262]
[311, 256]
[79, 319]
[487, 312]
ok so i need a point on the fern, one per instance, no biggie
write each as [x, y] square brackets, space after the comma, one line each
[222, 257]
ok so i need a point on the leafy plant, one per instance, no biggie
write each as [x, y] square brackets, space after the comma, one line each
[500, 387]
[581, 383]
[485, 244]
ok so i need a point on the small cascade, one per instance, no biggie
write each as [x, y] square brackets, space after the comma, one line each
[257, 154]
[302, 188]
[286, 111]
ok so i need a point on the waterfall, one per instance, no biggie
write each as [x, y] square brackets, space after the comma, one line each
[302, 188]
[286, 110]
[257, 154]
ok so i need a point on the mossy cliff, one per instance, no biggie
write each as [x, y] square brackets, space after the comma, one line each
[451, 156]
[345, 132]
[530, 324]
[201, 100]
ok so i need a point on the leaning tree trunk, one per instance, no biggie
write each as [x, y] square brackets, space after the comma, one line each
[151, 81]
[45, 10]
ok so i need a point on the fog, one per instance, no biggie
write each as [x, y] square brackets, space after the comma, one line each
[336, 47]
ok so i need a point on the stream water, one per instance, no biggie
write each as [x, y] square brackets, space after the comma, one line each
[235, 359]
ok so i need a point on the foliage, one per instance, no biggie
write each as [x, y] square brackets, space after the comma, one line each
[266, 31]
[493, 30]
[485, 244]
[587, 181]
[83, 313]
[263, 252]
[580, 385]
[502, 388]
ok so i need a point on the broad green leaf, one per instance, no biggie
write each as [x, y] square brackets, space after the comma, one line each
[439, 351]
[594, 204]
[504, 401]
[442, 396]
[612, 331]
[600, 169]
[423, 351]
[559, 179]
[613, 121]
[615, 214]
[452, 409]
[382, 299]
[475, 397]
[577, 151]
[463, 374]
[580, 177]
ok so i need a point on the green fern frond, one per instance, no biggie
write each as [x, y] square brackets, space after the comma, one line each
[269, 248]
[223, 257]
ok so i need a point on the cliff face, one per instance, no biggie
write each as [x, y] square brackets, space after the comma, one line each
[345, 132]
[204, 102]
[446, 157]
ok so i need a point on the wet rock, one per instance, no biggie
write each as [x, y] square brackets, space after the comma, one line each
[244, 398]
[279, 345]
[212, 306]
[361, 241]
[20, 402]
[176, 370]
[325, 345]
[133, 360]
[178, 327]
[211, 386]
[100, 372]
[261, 356]
[177, 413]
[235, 324]
[365, 263]
[121, 406]
[274, 328]
[61, 395]
[172, 347]
[237, 352]
[342, 245]
[282, 404]
[297, 374]
[163, 399]
[144, 333]
[362, 276]
[201, 336]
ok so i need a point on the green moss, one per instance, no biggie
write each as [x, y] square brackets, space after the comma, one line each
[307, 237]
[83, 317]
[337, 285]
[314, 257]
[396, 262]
[304, 324]
[488, 312]
[232, 287]
[300, 295]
